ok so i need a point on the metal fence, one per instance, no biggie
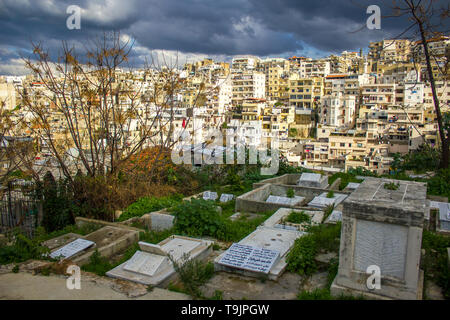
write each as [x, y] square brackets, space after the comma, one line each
[19, 211]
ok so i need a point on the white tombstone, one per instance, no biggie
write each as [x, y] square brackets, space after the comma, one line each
[249, 258]
[209, 195]
[71, 249]
[225, 197]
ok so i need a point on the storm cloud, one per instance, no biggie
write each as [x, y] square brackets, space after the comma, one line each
[196, 28]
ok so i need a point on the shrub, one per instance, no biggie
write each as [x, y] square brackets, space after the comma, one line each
[290, 193]
[193, 274]
[392, 186]
[97, 264]
[326, 237]
[58, 207]
[149, 204]
[439, 185]
[198, 218]
[298, 217]
[327, 211]
[435, 261]
[22, 249]
[345, 177]
[330, 194]
[301, 258]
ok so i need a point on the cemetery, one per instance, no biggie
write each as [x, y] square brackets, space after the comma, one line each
[380, 226]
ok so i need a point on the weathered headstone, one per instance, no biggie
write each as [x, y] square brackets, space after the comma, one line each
[249, 258]
[323, 201]
[209, 195]
[71, 249]
[285, 200]
[225, 197]
[145, 263]
[313, 180]
[352, 185]
[382, 228]
[334, 217]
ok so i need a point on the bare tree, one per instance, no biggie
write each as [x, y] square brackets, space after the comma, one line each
[90, 106]
[428, 22]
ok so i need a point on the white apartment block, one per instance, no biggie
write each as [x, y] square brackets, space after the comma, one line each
[248, 84]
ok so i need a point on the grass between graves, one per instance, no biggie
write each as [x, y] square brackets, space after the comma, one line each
[22, 248]
[435, 260]
[201, 218]
[192, 275]
[346, 178]
[149, 204]
[321, 238]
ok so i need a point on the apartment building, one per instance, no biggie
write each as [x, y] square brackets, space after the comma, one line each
[305, 92]
[247, 84]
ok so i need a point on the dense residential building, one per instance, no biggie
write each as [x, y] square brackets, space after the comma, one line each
[345, 110]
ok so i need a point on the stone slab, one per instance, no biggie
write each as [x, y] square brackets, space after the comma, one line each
[322, 201]
[146, 263]
[334, 217]
[72, 249]
[353, 185]
[285, 200]
[225, 197]
[209, 195]
[249, 258]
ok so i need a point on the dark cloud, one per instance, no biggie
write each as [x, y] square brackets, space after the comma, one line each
[219, 27]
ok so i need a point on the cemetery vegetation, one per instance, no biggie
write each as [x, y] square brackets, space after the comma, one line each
[320, 239]
[345, 177]
[290, 193]
[193, 274]
[149, 204]
[200, 218]
[298, 217]
[435, 261]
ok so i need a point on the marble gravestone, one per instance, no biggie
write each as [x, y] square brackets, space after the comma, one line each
[249, 258]
[383, 228]
[209, 195]
[225, 197]
[314, 180]
[71, 249]
[285, 200]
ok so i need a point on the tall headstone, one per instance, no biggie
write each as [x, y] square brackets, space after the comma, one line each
[382, 228]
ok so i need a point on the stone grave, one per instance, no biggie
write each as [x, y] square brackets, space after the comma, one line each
[250, 258]
[151, 265]
[382, 227]
[313, 180]
[108, 241]
[71, 249]
[444, 217]
[260, 199]
[322, 201]
[209, 195]
[225, 197]
[296, 200]
[352, 185]
[277, 220]
[261, 253]
[334, 217]
[61, 240]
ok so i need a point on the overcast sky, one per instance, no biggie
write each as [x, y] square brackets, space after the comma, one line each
[196, 28]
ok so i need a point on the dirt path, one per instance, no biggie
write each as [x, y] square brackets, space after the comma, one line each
[25, 286]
